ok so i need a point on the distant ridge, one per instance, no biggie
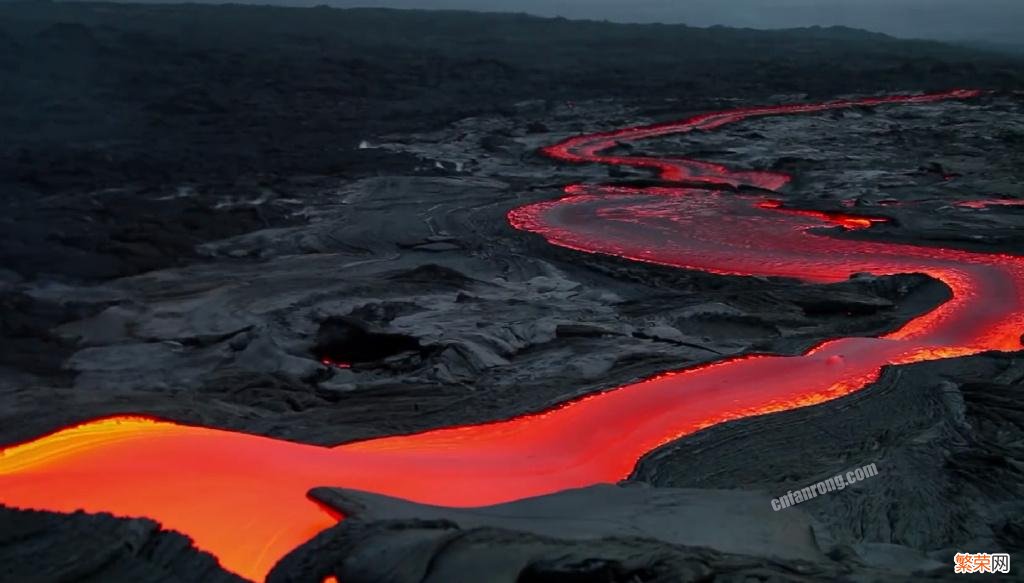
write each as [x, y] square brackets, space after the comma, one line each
[359, 9]
[990, 21]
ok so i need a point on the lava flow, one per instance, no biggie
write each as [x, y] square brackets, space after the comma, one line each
[243, 497]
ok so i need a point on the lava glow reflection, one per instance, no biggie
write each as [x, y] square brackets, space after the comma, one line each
[243, 497]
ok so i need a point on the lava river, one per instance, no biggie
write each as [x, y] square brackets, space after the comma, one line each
[243, 497]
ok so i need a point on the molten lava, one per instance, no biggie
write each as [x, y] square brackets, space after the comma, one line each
[243, 497]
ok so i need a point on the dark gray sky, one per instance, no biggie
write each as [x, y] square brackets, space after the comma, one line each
[995, 20]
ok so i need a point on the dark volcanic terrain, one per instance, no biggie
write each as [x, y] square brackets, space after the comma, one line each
[206, 209]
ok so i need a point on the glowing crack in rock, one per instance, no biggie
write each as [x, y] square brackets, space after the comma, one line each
[243, 497]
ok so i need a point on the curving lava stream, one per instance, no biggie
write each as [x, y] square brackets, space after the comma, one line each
[243, 497]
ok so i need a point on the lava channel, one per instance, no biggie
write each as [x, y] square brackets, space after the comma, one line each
[243, 497]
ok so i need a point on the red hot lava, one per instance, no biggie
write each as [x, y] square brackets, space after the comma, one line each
[243, 497]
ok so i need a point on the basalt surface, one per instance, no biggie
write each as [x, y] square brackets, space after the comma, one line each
[402, 303]
[456, 317]
[326, 309]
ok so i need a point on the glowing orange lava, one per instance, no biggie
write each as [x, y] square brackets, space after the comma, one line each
[984, 204]
[243, 497]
